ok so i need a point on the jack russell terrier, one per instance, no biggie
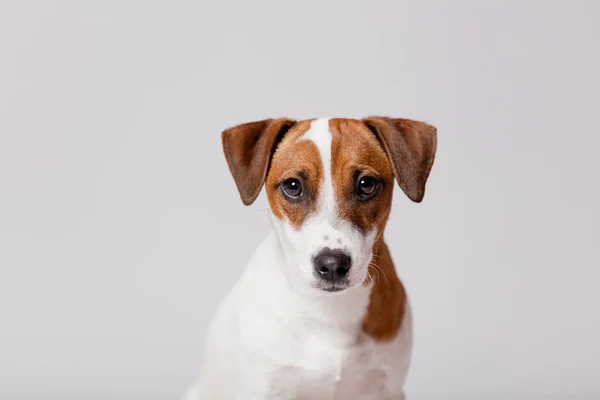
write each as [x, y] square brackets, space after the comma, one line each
[319, 313]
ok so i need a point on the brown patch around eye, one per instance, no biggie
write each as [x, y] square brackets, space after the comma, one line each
[295, 159]
[355, 153]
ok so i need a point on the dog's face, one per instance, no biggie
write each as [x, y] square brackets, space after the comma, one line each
[330, 190]
[329, 183]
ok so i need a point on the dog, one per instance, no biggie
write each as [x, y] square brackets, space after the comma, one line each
[319, 313]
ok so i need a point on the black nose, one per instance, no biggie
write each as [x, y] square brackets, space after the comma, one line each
[332, 265]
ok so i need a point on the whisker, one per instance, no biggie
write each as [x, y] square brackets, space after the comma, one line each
[377, 275]
[369, 279]
[377, 269]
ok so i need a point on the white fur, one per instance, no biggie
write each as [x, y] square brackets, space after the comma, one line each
[276, 336]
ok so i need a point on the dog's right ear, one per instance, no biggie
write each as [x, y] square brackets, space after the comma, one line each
[248, 150]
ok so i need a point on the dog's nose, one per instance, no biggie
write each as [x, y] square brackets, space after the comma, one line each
[332, 265]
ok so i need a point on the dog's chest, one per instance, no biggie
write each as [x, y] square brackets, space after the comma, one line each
[316, 370]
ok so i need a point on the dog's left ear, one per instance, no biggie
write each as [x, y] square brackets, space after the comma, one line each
[248, 150]
[410, 146]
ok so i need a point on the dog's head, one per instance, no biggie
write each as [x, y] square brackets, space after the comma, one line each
[329, 183]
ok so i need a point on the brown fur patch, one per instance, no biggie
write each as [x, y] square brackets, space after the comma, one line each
[355, 152]
[298, 159]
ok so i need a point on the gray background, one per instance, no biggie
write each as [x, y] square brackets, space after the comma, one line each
[121, 229]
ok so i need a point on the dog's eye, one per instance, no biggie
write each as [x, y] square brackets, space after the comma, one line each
[367, 187]
[292, 188]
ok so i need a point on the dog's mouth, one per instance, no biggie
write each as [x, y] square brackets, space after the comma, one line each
[333, 287]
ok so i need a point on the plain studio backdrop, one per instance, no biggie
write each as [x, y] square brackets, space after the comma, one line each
[121, 228]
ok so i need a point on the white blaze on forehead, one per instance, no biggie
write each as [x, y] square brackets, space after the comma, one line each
[320, 134]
